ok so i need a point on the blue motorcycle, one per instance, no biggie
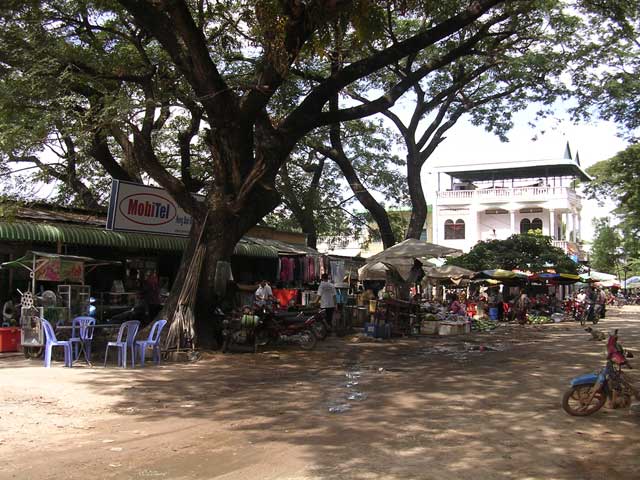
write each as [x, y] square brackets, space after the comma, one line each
[588, 393]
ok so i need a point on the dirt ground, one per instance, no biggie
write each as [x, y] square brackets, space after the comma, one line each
[482, 406]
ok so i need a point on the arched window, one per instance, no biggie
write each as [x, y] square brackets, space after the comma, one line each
[459, 229]
[536, 224]
[525, 225]
[454, 231]
[449, 230]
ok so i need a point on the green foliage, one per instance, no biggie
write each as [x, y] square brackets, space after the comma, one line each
[523, 252]
[605, 249]
[618, 180]
[606, 70]
[399, 220]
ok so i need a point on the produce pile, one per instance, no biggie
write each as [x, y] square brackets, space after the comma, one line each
[539, 319]
[479, 325]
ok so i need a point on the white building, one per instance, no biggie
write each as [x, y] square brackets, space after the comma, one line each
[477, 202]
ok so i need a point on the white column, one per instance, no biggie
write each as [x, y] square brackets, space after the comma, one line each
[512, 214]
[552, 224]
[578, 228]
[569, 226]
[471, 233]
[574, 224]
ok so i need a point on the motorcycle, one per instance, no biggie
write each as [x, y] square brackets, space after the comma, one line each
[259, 326]
[587, 312]
[588, 393]
[272, 331]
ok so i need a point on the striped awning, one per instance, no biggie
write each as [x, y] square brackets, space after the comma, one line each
[98, 237]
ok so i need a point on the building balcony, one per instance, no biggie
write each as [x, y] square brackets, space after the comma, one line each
[509, 195]
[570, 248]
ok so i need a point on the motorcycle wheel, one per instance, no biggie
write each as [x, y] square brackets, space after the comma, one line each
[308, 339]
[573, 401]
[582, 317]
[320, 329]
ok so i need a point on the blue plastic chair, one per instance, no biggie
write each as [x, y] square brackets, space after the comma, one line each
[128, 344]
[85, 326]
[75, 339]
[152, 341]
[51, 341]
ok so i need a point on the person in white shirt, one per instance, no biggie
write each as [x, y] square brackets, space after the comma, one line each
[263, 293]
[327, 298]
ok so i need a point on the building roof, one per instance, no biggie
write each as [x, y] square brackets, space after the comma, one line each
[568, 166]
[19, 231]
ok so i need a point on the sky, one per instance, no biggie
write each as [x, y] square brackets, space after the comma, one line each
[594, 141]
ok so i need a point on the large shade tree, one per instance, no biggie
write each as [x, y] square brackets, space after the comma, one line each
[134, 72]
[524, 252]
[512, 69]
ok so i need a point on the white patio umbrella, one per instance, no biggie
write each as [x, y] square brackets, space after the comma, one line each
[448, 271]
[400, 257]
[378, 270]
[412, 248]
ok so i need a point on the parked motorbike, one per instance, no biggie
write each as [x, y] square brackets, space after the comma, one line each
[272, 331]
[320, 325]
[240, 330]
[259, 326]
[588, 393]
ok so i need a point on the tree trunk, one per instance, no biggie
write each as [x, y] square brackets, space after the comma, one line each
[222, 231]
[418, 202]
[367, 200]
[308, 225]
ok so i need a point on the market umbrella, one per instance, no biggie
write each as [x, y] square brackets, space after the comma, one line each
[400, 258]
[410, 249]
[379, 270]
[449, 271]
[505, 276]
[594, 276]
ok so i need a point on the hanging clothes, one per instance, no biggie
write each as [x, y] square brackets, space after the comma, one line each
[337, 271]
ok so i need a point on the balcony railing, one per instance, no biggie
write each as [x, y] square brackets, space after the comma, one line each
[506, 194]
[563, 244]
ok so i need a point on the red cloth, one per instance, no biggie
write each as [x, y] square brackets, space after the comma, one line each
[471, 309]
[285, 295]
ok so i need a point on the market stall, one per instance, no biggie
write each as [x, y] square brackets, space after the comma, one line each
[395, 313]
[56, 292]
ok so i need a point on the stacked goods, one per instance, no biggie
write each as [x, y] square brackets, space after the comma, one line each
[539, 319]
[430, 324]
[480, 325]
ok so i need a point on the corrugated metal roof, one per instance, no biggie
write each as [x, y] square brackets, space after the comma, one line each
[99, 237]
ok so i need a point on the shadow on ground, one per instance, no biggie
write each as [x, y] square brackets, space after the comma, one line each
[425, 408]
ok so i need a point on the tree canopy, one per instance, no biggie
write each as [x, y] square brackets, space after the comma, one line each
[523, 252]
[605, 250]
[214, 96]
[605, 75]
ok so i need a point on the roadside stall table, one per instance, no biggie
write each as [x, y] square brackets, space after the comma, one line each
[400, 314]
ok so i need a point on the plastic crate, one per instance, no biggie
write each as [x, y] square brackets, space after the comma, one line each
[9, 339]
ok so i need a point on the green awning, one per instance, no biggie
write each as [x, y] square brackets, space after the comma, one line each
[99, 237]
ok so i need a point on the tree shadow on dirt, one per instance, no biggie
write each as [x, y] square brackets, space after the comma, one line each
[472, 414]
[428, 408]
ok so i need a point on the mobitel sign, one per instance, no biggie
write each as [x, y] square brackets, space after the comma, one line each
[139, 208]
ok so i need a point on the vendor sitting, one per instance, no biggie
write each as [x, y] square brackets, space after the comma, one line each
[455, 306]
